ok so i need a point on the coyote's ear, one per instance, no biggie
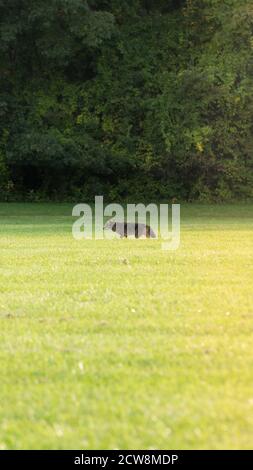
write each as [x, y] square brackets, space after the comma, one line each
[114, 227]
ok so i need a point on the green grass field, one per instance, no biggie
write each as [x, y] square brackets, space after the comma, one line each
[118, 344]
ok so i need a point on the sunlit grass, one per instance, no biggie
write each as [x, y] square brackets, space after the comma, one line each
[118, 344]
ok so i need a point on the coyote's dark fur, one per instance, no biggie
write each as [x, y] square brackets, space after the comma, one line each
[125, 229]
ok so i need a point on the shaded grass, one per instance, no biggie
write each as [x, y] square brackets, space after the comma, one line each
[118, 344]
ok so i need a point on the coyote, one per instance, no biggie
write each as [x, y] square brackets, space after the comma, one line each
[124, 229]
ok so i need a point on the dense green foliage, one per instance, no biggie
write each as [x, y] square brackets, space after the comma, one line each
[126, 98]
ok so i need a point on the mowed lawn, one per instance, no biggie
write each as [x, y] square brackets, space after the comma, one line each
[118, 344]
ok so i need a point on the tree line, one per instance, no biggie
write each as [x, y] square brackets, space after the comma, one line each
[132, 99]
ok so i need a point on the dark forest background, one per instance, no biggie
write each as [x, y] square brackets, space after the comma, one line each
[133, 99]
